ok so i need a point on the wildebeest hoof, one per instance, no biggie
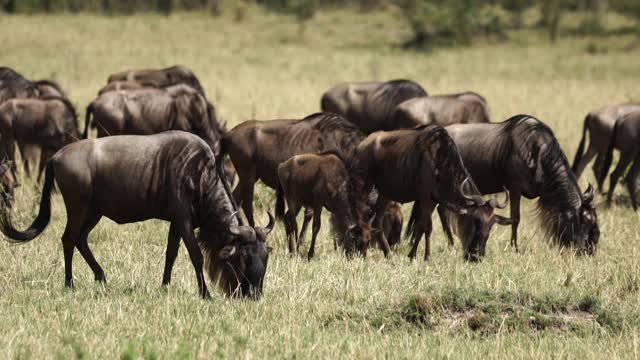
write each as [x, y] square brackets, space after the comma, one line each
[310, 256]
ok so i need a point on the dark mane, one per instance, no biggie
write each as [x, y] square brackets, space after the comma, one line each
[330, 122]
[10, 75]
[51, 83]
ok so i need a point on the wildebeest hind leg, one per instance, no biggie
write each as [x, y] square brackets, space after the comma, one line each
[186, 231]
[308, 215]
[317, 218]
[291, 226]
[427, 227]
[631, 178]
[85, 251]
[442, 213]
[625, 159]
[173, 243]
[25, 159]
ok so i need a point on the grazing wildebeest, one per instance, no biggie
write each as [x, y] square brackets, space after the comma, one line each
[599, 123]
[318, 181]
[161, 77]
[522, 155]
[423, 165]
[391, 224]
[48, 122]
[626, 137]
[440, 110]
[151, 110]
[370, 105]
[170, 176]
[256, 148]
[14, 85]
[124, 85]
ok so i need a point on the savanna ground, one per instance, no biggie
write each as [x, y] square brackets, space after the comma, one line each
[541, 303]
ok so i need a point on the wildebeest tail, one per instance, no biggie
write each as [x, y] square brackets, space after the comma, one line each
[608, 159]
[580, 150]
[411, 224]
[223, 177]
[87, 120]
[279, 202]
[41, 221]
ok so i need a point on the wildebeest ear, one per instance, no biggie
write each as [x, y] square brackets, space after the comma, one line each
[227, 252]
[503, 220]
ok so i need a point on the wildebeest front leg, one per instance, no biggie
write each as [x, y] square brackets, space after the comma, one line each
[186, 231]
[173, 243]
[631, 178]
[442, 213]
[317, 217]
[423, 227]
[378, 221]
[243, 194]
[515, 195]
[85, 251]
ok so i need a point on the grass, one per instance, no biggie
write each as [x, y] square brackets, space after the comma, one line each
[537, 304]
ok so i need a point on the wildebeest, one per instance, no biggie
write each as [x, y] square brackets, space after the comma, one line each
[370, 105]
[423, 165]
[318, 181]
[123, 85]
[626, 137]
[391, 223]
[14, 85]
[160, 77]
[151, 110]
[256, 148]
[441, 110]
[48, 122]
[522, 155]
[599, 123]
[170, 176]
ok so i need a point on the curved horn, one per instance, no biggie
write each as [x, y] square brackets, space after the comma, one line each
[270, 225]
[497, 205]
[588, 194]
[476, 199]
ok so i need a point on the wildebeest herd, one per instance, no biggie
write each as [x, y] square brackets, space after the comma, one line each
[161, 153]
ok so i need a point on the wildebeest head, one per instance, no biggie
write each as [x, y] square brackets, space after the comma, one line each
[476, 219]
[578, 229]
[8, 183]
[357, 238]
[245, 260]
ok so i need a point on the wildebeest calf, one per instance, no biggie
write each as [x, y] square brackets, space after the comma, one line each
[170, 176]
[318, 181]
